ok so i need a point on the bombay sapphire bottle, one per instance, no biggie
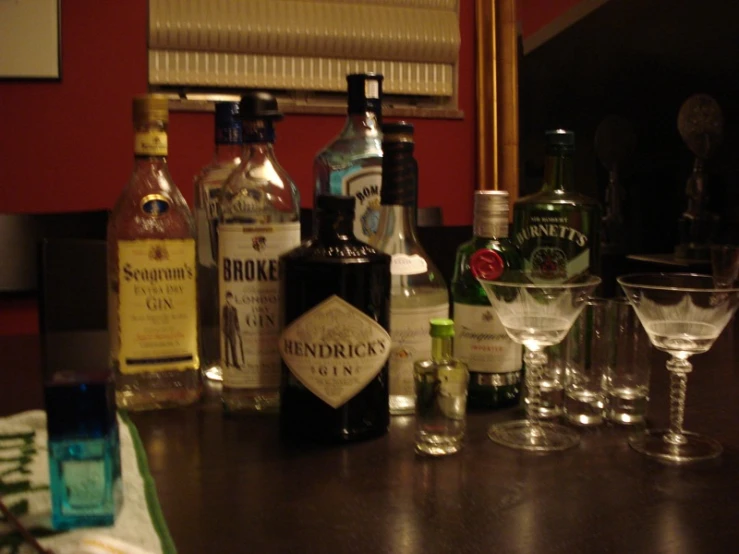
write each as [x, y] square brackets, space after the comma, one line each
[352, 163]
[84, 450]
[208, 183]
[259, 219]
[335, 342]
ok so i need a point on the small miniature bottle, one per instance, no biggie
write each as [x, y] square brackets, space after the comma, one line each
[352, 163]
[494, 360]
[208, 183]
[334, 343]
[259, 219]
[152, 282]
[441, 395]
[84, 450]
[418, 289]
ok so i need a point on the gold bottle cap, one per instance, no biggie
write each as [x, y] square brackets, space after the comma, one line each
[150, 107]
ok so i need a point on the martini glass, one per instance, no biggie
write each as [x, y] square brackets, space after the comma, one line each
[536, 315]
[683, 314]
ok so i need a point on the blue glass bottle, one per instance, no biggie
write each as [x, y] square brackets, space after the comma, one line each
[84, 450]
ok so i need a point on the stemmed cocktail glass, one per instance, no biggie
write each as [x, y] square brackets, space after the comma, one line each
[536, 315]
[683, 314]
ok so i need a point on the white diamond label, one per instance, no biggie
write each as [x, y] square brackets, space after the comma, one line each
[335, 350]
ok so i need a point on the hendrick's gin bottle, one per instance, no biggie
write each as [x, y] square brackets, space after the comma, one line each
[334, 344]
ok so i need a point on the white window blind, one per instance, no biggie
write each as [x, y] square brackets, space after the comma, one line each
[304, 45]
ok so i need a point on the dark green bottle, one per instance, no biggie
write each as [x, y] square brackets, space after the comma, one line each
[557, 229]
[494, 360]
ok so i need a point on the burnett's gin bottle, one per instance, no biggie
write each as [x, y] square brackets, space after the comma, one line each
[259, 219]
[352, 164]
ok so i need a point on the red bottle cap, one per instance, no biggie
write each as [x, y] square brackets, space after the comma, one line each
[486, 264]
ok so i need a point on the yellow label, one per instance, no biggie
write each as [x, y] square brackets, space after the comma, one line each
[150, 143]
[157, 307]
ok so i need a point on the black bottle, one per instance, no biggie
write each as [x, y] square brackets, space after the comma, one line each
[334, 345]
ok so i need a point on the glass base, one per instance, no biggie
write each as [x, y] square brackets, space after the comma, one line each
[695, 448]
[542, 437]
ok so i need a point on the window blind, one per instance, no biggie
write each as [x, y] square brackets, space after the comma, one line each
[304, 45]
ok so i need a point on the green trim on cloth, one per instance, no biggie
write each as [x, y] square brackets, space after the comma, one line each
[150, 490]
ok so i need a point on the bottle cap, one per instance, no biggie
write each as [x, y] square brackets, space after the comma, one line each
[441, 328]
[259, 105]
[364, 92]
[491, 203]
[560, 138]
[329, 203]
[79, 404]
[228, 123]
[399, 167]
[401, 131]
[150, 107]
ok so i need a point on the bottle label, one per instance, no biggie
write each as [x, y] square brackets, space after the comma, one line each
[481, 340]
[150, 143]
[206, 220]
[84, 481]
[364, 185]
[553, 245]
[248, 293]
[157, 307]
[409, 329]
[403, 264]
[335, 350]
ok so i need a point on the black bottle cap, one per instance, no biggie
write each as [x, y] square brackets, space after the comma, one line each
[365, 92]
[402, 131]
[560, 137]
[328, 203]
[399, 167]
[259, 105]
[80, 405]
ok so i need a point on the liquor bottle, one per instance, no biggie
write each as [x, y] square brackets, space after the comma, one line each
[335, 342]
[208, 183]
[494, 360]
[556, 229]
[418, 291]
[352, 163]
[441, 394]
[259, 219]
[152, 292]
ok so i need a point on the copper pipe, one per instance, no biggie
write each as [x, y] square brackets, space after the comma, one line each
[497, 96]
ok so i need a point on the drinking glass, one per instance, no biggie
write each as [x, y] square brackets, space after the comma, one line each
[683, 314]
[536, 315]
[725, 265]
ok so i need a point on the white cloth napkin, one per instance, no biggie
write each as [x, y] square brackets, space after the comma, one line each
[26, 459]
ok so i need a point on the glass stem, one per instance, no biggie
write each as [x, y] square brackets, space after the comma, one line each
[535, 360]
[679, 370]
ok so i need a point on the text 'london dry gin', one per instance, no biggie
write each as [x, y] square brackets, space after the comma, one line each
[335, 342]
[152, 292]
[352, 163]
[259, 219]
[557, 229]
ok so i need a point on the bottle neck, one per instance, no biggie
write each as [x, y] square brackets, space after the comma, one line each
[333, 228]
[490, 226]
[397, 221]
[398, 194]
[558, 171]
[226, 153]
[257, 152]
[441, 348]
[362, 124]
[150, 140]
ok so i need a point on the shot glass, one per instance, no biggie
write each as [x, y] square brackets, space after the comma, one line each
[588, 350]
[627, 380]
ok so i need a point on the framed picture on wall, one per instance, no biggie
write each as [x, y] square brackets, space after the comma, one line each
[30, 39]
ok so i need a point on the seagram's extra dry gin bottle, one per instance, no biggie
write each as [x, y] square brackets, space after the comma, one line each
[152, 294]
[259, 215]
[352, 163]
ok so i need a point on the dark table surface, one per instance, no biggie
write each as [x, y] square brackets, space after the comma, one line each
[228, 484]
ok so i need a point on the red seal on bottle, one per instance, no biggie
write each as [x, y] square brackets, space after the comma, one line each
[486, 264]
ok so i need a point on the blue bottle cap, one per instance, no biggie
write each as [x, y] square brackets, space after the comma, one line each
[80, 404]
[228, 123]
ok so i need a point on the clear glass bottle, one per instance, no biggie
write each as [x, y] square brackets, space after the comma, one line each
[494, 360]
[208, 184]
[84, 449]
[418, 289]
[259, 219]
[556, 229]
[335, 344]
[441, 394]
[152, 293]
[352, 163]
